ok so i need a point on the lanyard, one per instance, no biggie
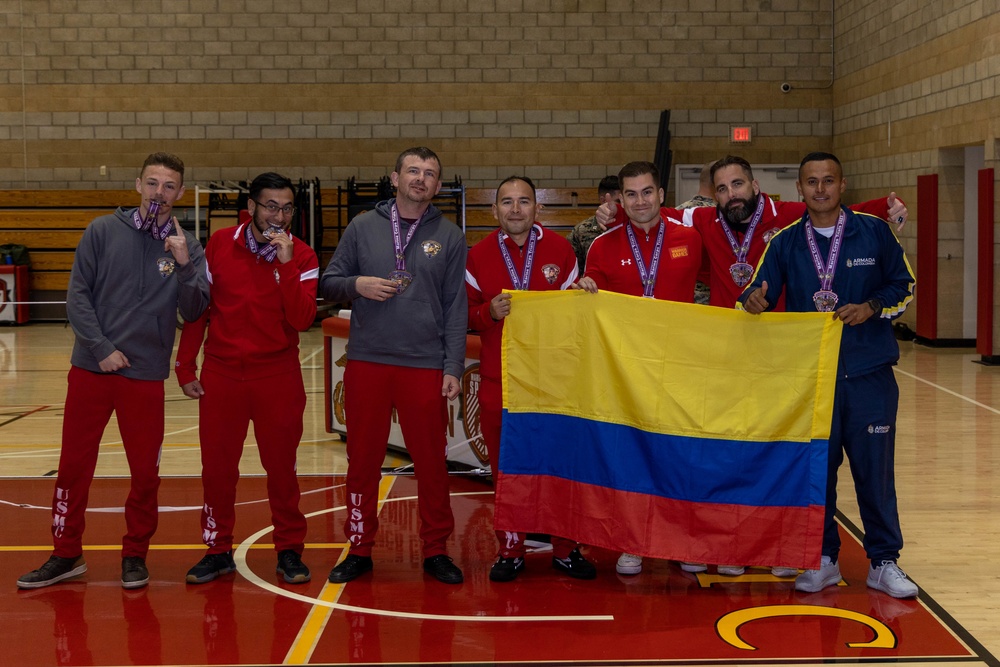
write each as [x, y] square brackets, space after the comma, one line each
[740, 270]
[149, 223]
[825, 299]
[266, 251]
[529, 259]
[648, 277]
[399, 246]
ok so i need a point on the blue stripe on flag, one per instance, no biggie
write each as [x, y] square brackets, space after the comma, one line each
[774, 473]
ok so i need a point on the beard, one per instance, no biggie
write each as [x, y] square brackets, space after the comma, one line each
[741, 214]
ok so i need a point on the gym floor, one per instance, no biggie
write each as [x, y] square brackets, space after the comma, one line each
[947, 460]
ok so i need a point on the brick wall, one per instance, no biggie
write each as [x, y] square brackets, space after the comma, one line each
[564, 90]
[916, 81]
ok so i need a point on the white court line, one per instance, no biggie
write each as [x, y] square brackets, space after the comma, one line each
[948, 391]
[112, 443]
[310, 356]
[241, 565]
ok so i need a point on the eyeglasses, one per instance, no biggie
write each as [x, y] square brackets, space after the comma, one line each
[273, 209]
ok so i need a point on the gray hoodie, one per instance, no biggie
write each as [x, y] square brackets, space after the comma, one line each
[124, 294]
[425, 326]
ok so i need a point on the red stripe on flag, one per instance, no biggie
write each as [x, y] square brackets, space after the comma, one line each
[660, 527]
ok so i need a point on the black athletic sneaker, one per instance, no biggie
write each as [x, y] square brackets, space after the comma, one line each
[350, 568]
[54, 570]
[134, 572]
[210, 567]
[506, 569]
[443, 569]
[291, 567]
[575, 565]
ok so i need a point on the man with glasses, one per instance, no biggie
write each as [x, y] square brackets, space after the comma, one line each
[263, 293]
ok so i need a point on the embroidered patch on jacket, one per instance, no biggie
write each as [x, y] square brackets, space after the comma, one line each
[431, 248]
[166, 266]
[678, 252]
[551, 273]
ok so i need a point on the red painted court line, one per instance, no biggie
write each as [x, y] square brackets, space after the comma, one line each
[662, 614]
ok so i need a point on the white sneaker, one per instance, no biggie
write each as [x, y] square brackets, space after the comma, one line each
[629, 564]
[889, 579]
[731, 570]
[813, 581]
[693, 567]
[779, 571]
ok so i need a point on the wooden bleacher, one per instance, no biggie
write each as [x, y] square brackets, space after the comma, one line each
[50, 222]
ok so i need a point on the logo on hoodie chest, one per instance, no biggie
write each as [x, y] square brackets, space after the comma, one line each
[430, 248]
[166, 266]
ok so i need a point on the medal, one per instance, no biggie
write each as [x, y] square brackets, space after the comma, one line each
[272, 232]
[265, 251]
[740, 271]
[152, 212]
[402, 280]
[825, 299]
[149, 222]
[400, 275]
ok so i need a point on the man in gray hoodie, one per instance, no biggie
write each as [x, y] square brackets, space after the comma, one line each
[132, 272]
[403, 267]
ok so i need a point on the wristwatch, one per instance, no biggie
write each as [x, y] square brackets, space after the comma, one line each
[875, 305]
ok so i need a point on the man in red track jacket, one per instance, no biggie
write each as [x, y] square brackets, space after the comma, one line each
[520, 255]
[647, 255]
[263, 293]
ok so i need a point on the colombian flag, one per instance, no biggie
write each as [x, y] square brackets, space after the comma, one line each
[667, 429]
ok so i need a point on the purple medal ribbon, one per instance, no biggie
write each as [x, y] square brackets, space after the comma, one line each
[741, 271]
[401, 276]
[648, 277]
[266, 251]
[529, 259]
[825, 299]
[149, 223]
[397, 243]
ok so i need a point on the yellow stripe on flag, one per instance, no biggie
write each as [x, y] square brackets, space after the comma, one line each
[673, 368]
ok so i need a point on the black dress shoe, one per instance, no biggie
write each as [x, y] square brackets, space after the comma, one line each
[575, 565]
[352, 567]
[443, 569]
[506, 569]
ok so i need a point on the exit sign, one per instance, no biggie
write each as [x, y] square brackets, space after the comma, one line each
[740, 134]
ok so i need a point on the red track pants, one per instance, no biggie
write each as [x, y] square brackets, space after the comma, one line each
[275, 404]
[91, 398]
[371, 392]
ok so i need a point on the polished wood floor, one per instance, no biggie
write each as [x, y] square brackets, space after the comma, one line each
[948, 462]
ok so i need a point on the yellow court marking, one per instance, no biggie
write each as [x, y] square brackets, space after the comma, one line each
[312, 628]
[728, 626]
